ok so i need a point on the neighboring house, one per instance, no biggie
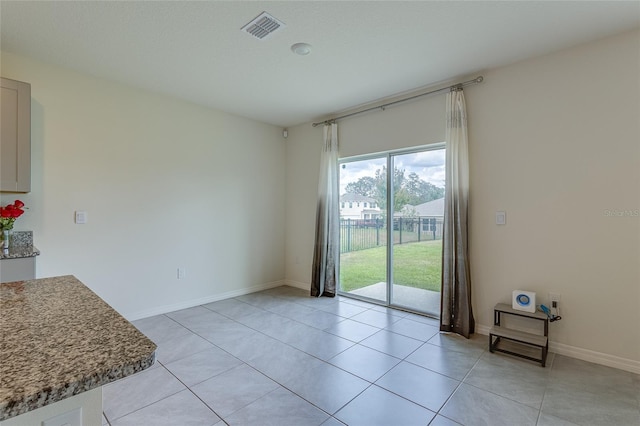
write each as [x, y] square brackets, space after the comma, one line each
[431, 215]
[356, 206]
[430, 208]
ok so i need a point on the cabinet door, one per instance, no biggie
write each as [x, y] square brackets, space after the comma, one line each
[15, 136]
[19, 269]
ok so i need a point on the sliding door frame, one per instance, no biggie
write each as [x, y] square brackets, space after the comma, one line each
[347, 160]
[389, 155]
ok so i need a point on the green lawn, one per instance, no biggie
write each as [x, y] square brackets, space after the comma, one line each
[415, 265]
[364, 238]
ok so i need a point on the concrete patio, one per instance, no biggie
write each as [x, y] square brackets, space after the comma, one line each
[417, 299]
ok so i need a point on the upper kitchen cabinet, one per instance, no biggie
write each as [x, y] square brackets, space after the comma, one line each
[15, 136]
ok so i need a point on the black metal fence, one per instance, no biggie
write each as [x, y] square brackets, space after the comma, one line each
[362, 234]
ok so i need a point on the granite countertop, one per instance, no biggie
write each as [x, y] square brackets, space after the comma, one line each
[21, 246]
[59, 339]
[18, 252]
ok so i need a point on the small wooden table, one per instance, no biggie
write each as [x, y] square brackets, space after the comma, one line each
[499, 332]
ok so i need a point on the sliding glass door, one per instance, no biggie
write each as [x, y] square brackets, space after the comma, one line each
[393, 236]
[418, 211]
[363, 229]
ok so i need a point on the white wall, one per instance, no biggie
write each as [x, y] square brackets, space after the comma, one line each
[554, 141]
[303, 165]
[165, 184]
[407, 125]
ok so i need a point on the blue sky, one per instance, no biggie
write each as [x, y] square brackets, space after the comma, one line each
[429, 165]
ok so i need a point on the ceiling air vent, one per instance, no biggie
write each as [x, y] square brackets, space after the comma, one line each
[263, 26]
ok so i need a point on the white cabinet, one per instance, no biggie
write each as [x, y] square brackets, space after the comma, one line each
[84, 409]
[15, 136]
[18, 269]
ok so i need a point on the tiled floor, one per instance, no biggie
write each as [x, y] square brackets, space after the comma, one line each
[279, 357]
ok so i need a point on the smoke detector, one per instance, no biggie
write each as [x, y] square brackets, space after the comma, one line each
[263, 26]
[302, 49]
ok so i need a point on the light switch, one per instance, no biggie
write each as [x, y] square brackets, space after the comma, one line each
[501, 218]
[81, 217]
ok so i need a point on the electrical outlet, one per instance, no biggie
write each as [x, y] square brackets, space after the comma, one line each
[182, 272]
[554, 300]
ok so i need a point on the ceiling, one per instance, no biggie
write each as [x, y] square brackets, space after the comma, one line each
[362, 51]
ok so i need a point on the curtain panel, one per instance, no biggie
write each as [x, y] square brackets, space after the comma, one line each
[456, 314]
[327, 246]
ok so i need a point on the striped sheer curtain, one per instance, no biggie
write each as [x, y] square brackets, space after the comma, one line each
[456, 314]
[327, 246]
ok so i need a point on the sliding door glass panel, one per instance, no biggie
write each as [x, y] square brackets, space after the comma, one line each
[418, 211]
[363, 229]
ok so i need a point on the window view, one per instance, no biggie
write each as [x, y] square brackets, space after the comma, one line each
[410, 257]
[363, 230]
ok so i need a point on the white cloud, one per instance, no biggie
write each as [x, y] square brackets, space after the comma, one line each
[429, 165]
[352, 171]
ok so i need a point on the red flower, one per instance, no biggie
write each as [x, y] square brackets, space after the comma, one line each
[9, 214]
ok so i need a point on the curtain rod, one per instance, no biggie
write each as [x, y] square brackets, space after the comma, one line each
[383, 106]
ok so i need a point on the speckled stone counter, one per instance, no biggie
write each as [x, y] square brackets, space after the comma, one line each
[59, 339]
[19, 252]
[21, 246]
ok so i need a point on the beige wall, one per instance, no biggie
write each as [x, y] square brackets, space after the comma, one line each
[555, 142]
[166, 184]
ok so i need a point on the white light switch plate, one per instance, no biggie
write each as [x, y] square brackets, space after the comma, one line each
[81, 217]
[501, 218]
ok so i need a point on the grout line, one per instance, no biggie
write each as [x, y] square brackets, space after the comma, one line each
[196, 395]
[552, 366]
[322, 360]
[238, 320]
[260, 372]
[148, 405]
[252, 367]
[460, 382]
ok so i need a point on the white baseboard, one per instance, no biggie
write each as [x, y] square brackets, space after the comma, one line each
[482, 329]
[583, 354]
[595, 357]
[298, 284]
[200, 301]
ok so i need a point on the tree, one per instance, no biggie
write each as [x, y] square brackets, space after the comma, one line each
[420, 191]
[364, 186]
[407, 190]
